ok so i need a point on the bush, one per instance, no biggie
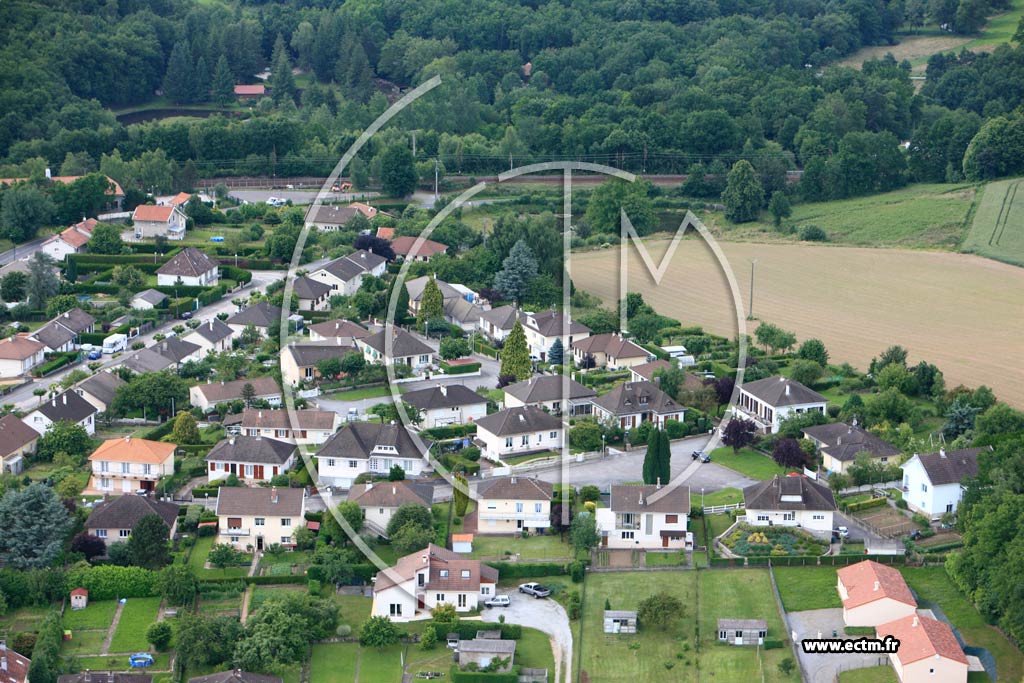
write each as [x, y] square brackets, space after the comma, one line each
[159, 635]
[772, 644]
[902, 504]
[460, 369]
[921, 520]
[866, 504]
[576, 571]
[515, 570]
[813, 233]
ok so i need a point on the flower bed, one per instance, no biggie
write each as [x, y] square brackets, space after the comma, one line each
[774, 541]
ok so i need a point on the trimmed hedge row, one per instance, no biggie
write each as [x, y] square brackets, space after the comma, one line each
[460, 676]
[467, 629]
[866, 504]
[449, 432]
[57, 361]
[240, 275]
[109, 582]
[459, 369]
[517, 570]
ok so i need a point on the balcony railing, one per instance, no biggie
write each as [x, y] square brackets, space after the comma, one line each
[227, 531]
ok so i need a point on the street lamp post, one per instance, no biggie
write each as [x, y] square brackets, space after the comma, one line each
[702, 497]
[750, 314]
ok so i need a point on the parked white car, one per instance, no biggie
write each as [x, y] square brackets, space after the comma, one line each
[499, 601]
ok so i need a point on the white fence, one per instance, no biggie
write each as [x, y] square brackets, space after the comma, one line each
[716, 509]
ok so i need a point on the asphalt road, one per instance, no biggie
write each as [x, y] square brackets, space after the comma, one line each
[300, 197]
[22, 251]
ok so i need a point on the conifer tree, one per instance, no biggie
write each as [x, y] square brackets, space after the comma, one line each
[515, 355]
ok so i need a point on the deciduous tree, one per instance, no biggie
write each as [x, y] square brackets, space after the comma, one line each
[743, 196]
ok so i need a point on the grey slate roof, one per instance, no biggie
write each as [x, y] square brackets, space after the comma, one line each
[443, 396]
[333, 215]
[309, 354]
[547, 388]
[461, 311]
[14, 434]
[637, 397]
[844, 441]
[502, 317]
[151, 296]
[124, 512]
[742, 625]
[260, 501]
[259, 418]
[176, 349]
[147, 360]
[102, 385]
[235, 676]
[64, 328]
[519, 488]
[502, 648]
[349, 267]
[518, 421]
[213, 330]
[76, 319]
[405, 344]
[391, 494]
[260, 314]
[253, 449]
[308, 288]
[951, 467]
[767, 495]
[67, 406]
[340, 328]
[357, 440]
[649, 498]
[189, 262]
[416, 286]
[782, 391]
[549, 323]
[611, 344]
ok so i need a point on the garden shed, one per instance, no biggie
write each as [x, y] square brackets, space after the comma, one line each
[619, 621]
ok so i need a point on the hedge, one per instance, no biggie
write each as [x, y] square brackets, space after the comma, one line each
[240, 275]
[866, 504]
[109, 582]
[518, 570]
[160, 431]
[449, 432]
[772, 644]
[57, 361]
[467, 629]
[486, 349]
[459, 369]
[656, 351]
[726, 562]
[460, 676]
[941, 548]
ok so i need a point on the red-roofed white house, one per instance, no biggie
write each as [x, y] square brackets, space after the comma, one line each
[873, 594]
[71, 240]
[929, 652]
[151, 221]
[13, 666]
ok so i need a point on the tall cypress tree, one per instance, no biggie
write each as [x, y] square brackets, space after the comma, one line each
[180, 75]
[222, 90]
[652, 459]
[515, 355]
[431, 304]
[664, 457]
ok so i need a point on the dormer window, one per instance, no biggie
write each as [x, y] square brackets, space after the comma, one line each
[465, 573]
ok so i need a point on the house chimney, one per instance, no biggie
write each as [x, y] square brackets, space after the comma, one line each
[394, 490]
[273, 495]
[65, 397]
[369, 485]
[53, 402]
[787, 390]
[658, 483]
[942, 452]
[231, 441]
[914, 625]
[877, 585]
[128, 438]
[3, 663]
[444, 390]
[512, 479]
[211, 324]
[48, 174]
[110, 676]
[3, 646]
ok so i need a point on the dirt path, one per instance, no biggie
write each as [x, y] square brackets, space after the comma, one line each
[113, 628]
[359, 656]
[246, 599]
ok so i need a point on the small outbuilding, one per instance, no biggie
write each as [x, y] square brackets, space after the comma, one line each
[742, 631]
[79, 598]
[484, 651]
[619, 621]
[462, 543]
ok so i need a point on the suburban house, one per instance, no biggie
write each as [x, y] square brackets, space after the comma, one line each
[148, 360]
[434, 576]
[207, 396]
[645, 372]
[929, 650]
[369, 211]
[518, 431]
[370, 447]
[447, 405]
[260, 516]
[66, 407]
[62, 333]
[148, 299]
[405, 246]
[333, 329]
[840, 444]
[307, 427]
[250, 458]
[547, 392]
[18, 355]
[385, 233]
[542, 329]
[180, 199]
[380, 500]
[610, 350]
[459, 302]
[189, 267]
[114, 518]
[330, 217]
[742, 631]
[769, 401]
[213, 336]
[128, 465]
[790, 501]
[100, 389]
[873, 594]
[496, 323]
[632, 403]
[153, 221]
[313, 295]
[415, 288]
[168, 354]
[17, 440]
[15, 666]
[344, 275]
[406, 349]
[512, 505]
[114, 193]
[646, 517]
[250, 92]
[932, 482]
[261, 315]
[71, 240]
[299, 361]
[487, 652]
[463, 313]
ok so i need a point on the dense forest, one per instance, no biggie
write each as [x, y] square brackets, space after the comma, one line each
[648, 85]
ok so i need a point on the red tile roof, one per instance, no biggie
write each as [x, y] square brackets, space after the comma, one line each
[922, 637]
[149, 212]
[386, 233]
[250, 89]
[17, 667]
[179, 199]
[19, 348]
[868, 581]
[403, 246]
[364, 209]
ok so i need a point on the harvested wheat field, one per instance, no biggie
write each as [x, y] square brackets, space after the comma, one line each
[961, 312]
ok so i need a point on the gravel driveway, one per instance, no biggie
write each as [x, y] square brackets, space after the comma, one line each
[544, 615]
[819, 623]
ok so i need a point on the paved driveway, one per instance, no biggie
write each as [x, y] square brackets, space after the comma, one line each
[544, 615]
[819, 623]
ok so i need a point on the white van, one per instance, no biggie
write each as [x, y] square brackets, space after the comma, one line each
[115, 343]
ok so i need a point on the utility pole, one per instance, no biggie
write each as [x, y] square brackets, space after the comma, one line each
[435, 179]
[413, 144]
[750, 315]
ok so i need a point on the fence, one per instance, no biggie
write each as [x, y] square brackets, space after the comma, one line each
[716, 509]
[864, 488]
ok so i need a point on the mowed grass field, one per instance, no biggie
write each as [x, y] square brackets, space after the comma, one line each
[961, 312]
[997, 230]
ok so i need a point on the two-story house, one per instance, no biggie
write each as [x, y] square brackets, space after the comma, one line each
[207, 396]
[262, 315]
[150, 221]
[414, 249]
[212, 336]
[189, 267]
[790, 501]
[299, 361]
[303, 427]
[609, 350]
[379, 501]
[18, 355]
[769, 401]
[370, 447]
[67, 407]
[648, 517]
[313, 295]
[114, 518]
[447, 404]
[434, 576]
[17, 442]
[129, 465]
[62, 333]
[542, 329]
[330, 330]
[259, 517]
[406, 349]
[71, 240]
[557, 394]
[252, 459]
[509, 505]
[344, 275]
[840, 443]
[497, 323]
[933, 483]
[632, 403]
[518, 431]
[100, 389]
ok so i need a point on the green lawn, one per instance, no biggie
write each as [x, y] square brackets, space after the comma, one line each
[96, 615]
[747, 462]
[23, 619]
[84, 643]
[360, 394]
[932, 583]
[333, 663]
[717, 525]
[380, 666]
[520, 459]
[872, 674]
[197, 560]
[995, 229]
[161, 662]
[533, 651]
[803, 588]
[673, 559]
[137, 615]
[531, 548]
[727, 496]
[355, 609]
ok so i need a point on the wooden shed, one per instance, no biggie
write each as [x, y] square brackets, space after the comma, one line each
[619, 621]
[742, 631]
[79, 598]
